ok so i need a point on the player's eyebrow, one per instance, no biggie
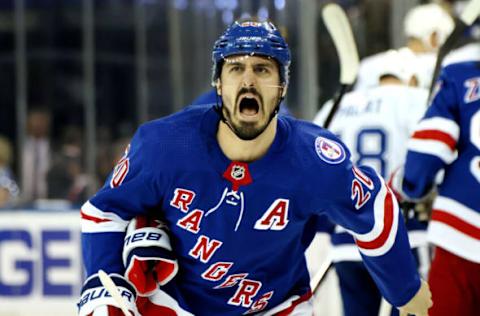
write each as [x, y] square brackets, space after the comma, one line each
[263, 64]
[233, 63]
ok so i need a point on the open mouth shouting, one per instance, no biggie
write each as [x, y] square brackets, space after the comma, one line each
[249, 107]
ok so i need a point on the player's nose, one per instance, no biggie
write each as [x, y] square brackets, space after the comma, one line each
[248, 78]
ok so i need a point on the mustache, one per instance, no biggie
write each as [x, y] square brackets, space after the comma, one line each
[251, 90]
[246, 90]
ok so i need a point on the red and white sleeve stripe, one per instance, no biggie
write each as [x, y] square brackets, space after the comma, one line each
[456, 228]
[95, 220]
[381, 237]
[436, 136]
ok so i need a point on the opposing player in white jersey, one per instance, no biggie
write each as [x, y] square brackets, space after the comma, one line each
[376, 125]
[426, 28]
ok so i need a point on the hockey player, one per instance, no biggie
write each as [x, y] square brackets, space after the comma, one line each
[448, 138]
[237, 188]
[426, 27]
[376, 125]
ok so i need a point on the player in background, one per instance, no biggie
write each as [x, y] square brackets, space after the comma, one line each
[376, 125]
[237, 188]
[426, 27]
[448, 138]
[468, 46]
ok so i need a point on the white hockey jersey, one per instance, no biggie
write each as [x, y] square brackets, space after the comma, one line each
[376, 124]
[372, 66]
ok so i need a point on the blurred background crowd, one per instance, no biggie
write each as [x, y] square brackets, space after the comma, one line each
[78, 76]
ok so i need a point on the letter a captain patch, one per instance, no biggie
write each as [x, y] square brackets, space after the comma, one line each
[276, 217]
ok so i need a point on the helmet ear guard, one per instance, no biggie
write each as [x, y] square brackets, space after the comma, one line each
[284, 90]
[218, 86]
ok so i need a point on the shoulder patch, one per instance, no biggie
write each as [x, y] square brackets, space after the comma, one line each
[473, 90]
[329, 150]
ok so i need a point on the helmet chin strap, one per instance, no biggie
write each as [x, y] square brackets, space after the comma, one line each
[219, 109]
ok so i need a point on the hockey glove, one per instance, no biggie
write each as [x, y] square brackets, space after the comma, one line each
[95, 300]
[148, 256]
[421, 207]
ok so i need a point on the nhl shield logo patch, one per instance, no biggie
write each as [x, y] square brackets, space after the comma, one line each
[238, 172]
[329, 151]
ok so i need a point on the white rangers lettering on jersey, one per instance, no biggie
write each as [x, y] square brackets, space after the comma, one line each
[217, 271]
[247, 289]
[191, 221]
[473, 90]
[436, 136]
[205, 248]
[276, 217]
[182, 198]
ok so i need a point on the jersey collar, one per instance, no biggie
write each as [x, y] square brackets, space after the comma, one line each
[220, 162]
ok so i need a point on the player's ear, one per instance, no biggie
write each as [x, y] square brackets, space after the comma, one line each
[218, 86]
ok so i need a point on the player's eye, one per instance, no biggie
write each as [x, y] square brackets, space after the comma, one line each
[235, 68]
[262, 70]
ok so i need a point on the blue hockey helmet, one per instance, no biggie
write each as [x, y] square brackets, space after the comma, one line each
[251, 38]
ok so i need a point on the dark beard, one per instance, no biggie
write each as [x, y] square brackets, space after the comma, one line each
[244, 131]
[247, 131]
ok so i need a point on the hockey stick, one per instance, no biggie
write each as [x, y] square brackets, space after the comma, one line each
[114, 291]
[318, 278]
[339, 29]
[385, 308]
[470, 12]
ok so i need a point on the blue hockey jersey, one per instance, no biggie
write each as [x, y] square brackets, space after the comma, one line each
[239, 230]
[448, 137]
